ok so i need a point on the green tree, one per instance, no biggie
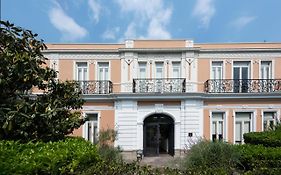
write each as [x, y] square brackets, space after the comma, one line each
[24, 116]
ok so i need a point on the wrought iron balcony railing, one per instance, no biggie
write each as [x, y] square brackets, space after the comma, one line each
[242, 85]
[159, 85]
[96, 87]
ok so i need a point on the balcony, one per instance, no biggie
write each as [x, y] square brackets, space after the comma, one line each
[96, 87]
[159, 85]
[242, 85]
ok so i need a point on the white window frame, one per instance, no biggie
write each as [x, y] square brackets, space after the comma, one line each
[155, 69]
[225, 124]
[217, 66]
[270, 68]
[242, 64]
[176, 64]
[277, 119]
[98, 67]
[252, 123]
[146, 69]
[76, 70]
[85, 125]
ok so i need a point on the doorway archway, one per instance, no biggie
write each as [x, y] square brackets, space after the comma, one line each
[158, 135]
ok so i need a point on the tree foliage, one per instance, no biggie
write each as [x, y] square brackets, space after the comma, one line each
[24, 116]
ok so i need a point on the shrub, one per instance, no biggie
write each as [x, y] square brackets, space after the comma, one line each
[270, 138]
[267, 138]
[208, 157]
[123, 168]
[62, 157]
[259, 158]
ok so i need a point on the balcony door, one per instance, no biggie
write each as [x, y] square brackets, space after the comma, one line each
[103, 75]
[243, 124]
[217, 76]
[82, 75]
[266, 76]
[159, 75]
[241, 75]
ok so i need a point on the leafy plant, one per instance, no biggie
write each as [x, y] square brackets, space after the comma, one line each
[207, 156]
[63, 157]
[23, 116]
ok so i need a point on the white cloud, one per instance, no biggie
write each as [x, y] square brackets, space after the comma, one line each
[204, 10]
[95, 8]
[242, 21]
[65, 24]
[149, 16]
[110, 34]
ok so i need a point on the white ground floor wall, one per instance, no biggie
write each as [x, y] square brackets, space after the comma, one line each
[129, 122]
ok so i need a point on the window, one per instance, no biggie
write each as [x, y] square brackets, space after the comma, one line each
[142, 70]
[269, 120]
[176, 70]
[266, 76]
[159, 70]
[82, 75]
[241, 74]
[159, 75]
[103, 71]
[266, 70]
[217, 72]
[243, 124]
[218, 126]
[81, 71]
[91, 128]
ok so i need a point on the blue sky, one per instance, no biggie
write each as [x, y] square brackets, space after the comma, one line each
[111, 21]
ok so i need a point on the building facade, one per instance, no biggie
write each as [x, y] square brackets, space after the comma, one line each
[163, 95]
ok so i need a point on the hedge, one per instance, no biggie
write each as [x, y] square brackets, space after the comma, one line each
[256, 158]
[63, 157]
[267, 138]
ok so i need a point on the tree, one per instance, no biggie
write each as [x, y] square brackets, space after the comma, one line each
[25, 116]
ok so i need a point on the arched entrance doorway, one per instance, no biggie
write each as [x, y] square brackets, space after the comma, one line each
[158, 132]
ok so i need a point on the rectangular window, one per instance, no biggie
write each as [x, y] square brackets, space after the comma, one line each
[82, 75]
[241, 76]
[91, 128]
[266, 70]
[176, 70]
[103, 71]
[82, 71]
[218, 126]
[159, 70]
[142, 69]
[269, 120]
[217, 72]
[243, 124]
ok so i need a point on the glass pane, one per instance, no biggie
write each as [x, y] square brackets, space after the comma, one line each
[247, 127]
[220, 128]
[84, 73]
[106, 74]
[238, 132]
[245, 73]
[219, 73]
[159, 70]
[79, 78]
[176, 73]
[236, 73]
[95, 133]
[214, 127]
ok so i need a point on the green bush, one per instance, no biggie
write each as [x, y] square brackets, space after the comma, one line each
[62, 157]
[122, 168]
[256, 158]
[210, 157]
[267, 138]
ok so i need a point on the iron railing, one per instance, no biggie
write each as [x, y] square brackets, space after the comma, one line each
[95, 87]
[159, 85]
[242, 85]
